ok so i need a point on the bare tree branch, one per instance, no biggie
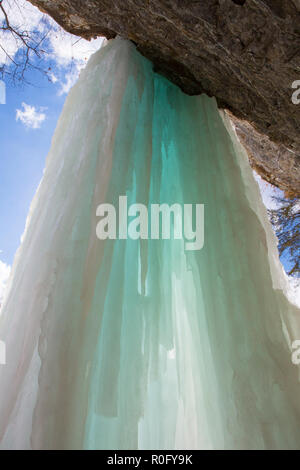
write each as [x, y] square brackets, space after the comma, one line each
[30, 52]
[286, 223]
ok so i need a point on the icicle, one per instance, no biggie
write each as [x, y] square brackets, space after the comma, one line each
[125, 344]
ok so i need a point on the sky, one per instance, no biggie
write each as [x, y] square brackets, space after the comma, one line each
[29, 116]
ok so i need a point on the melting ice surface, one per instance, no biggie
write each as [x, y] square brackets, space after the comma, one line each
[125, 344]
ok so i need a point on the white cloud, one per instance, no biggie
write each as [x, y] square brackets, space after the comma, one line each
[31, 116]
[71, 55]
[53, 77]
[67, 48]
[69, 80]
[4, 275]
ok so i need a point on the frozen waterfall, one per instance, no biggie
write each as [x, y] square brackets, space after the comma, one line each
[141, 344]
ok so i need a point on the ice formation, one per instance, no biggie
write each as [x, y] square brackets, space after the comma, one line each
[140, 344]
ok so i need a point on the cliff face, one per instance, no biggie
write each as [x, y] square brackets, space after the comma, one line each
[246, 53]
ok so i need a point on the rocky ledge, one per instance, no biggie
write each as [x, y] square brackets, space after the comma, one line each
[246, 53]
